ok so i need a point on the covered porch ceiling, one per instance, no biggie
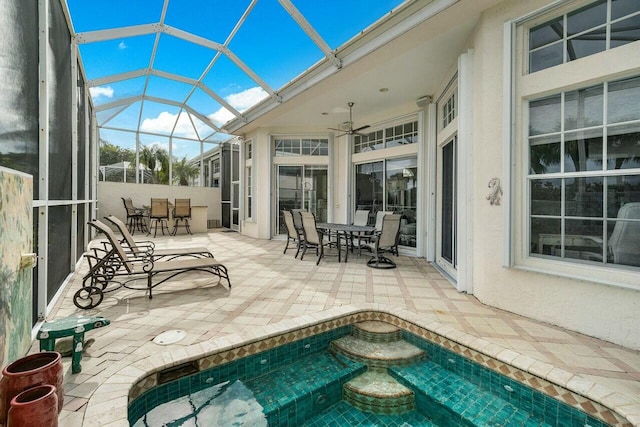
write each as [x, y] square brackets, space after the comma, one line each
[407, 67]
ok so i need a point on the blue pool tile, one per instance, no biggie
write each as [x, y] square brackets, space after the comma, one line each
[446, 385]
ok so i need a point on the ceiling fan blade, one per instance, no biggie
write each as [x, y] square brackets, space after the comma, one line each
[342, 134]
[339, 130]
[360, 133]
[361, 128]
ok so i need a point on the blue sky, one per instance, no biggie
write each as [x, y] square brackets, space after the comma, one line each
[269, 42]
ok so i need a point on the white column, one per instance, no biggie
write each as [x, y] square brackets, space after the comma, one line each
[465, 173]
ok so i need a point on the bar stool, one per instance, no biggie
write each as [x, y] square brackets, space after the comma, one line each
[181, 212]
[159, 214]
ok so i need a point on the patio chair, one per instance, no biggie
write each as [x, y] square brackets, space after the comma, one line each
[624, 245]
[361, 217]
[117, 263]
[181, 212]
[385, 241]
[135, 216]
[293, 234]
[297, 219]
[313, 238]
[369, 239]
[159, 214]
[147, 248]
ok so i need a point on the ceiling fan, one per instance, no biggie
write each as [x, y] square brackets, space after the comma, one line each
[351, 130]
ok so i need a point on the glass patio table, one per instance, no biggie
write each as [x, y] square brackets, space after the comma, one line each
[347, 231]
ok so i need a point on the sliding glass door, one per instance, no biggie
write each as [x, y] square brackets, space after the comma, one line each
[447, 210]
[390, 185]
[300, 187]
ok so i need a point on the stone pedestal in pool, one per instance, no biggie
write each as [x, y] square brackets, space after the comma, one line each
[378, 345]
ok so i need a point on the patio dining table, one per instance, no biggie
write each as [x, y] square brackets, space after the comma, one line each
[346, 231]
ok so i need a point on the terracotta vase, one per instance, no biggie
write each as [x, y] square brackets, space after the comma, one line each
[34, 407]
[28, 372]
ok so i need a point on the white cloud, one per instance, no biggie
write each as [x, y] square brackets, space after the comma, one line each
[164, 124]
[98, 91]
[241, 101]
[122, 45]
[165, 121]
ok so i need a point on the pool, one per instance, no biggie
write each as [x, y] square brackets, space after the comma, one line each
[303, 378]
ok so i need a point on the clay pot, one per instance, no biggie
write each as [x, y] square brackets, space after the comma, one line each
[28, 372]
[34, 407]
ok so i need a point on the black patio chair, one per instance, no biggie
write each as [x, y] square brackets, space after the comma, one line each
[135, 216]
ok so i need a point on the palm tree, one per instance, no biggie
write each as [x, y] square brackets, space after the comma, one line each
[183, 172]
[156, 160]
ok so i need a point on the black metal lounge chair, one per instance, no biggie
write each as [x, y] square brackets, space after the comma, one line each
[385, 241]
[115, 263]
[147, 248]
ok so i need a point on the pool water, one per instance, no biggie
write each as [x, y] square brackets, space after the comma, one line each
[303, 384]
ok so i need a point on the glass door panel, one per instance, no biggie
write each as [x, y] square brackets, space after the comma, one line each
[289, 192]
[370, 188]
[235, 188]
[315, 191]
[301, 187]
[447, 221]
[402, 194]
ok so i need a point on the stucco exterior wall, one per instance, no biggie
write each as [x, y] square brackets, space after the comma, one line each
[110, 193]
[572, 301]
[608, 312]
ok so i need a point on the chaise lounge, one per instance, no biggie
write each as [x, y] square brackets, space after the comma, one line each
[142, 248]
[116, 263]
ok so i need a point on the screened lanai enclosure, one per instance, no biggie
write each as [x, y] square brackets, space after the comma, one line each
[141, 92]
[502, 136]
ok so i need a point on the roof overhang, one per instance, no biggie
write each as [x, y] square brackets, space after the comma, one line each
[409, 53]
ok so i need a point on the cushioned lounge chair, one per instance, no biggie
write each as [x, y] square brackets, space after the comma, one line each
[118, 268]
[142, 248]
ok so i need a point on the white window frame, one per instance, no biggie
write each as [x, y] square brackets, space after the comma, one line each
[249, 180]
[565, 37]
[519, 87]
[382, 135]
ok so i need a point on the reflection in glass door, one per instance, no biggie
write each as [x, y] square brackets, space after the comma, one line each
[447, 215]
[235, 188]
[390, 185]
[301, 187]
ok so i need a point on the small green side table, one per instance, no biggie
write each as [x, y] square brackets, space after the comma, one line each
[66, 327]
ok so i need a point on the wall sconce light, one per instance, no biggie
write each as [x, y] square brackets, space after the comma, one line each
[423, 101]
